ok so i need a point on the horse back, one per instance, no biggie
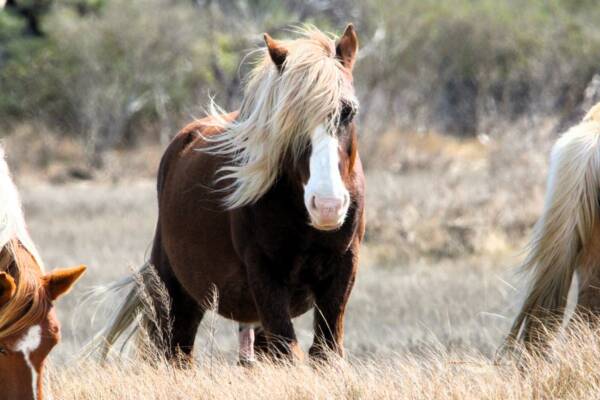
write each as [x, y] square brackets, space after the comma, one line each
[191, 138]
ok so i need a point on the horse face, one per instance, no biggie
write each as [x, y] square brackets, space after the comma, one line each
[22, 356]
[326, 194]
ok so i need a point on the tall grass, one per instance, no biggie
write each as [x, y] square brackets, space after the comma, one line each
[571, 371]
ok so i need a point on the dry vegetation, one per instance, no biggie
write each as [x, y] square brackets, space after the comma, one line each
[570, 373]
[435, 295]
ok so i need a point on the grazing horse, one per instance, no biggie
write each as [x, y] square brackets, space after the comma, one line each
[566, 239]
[29, 328]
[263, 207]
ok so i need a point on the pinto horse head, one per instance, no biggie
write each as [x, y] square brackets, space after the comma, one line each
[296, 121]
[29, 328]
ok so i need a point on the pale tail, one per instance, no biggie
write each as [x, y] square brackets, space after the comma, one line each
[146, 306]
[562, 233]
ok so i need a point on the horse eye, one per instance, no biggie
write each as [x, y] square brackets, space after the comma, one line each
[2, 351]
[347, 114]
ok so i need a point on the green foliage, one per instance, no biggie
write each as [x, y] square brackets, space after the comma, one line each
[10, 26]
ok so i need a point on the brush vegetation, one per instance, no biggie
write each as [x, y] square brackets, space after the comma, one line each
[112, 72]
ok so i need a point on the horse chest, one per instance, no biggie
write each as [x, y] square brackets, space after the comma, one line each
[311, 267]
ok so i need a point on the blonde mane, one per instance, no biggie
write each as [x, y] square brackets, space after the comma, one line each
[564, 231]
[29, 302]
[279, 112]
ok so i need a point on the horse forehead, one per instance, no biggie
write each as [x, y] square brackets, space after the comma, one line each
[30, 340]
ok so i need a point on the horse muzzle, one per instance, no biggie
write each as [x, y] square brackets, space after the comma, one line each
[328, 213]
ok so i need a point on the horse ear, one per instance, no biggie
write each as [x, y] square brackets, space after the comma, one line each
[7, 288]
[277, 52]
[60, 281]
[347, 47]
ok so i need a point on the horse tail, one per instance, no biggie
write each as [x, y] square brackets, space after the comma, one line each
[143, 307]
[562, 233]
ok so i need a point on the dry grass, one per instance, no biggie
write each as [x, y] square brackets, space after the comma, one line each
[570, 372]
[436, 292]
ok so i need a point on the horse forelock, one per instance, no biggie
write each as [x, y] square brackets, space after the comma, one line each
[279, 113]
[30, 303]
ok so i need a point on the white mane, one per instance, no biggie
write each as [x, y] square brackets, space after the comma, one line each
[12, 221]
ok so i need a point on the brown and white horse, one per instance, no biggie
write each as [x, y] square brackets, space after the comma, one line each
[566, 239]
[29, 328]
[265, 205]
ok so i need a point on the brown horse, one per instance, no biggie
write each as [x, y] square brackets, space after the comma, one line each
[29, 328]
[264, 206]
[566, 239]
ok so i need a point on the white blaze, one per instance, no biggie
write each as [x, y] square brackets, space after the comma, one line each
[325, 179]
[27, 345]
[325, 195]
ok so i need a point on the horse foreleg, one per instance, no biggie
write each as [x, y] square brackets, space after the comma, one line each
[272, 300]
[246, 342]
[261, 343]
[331, 298]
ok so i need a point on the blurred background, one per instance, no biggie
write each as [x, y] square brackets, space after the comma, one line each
[461, 101]
[120, 73]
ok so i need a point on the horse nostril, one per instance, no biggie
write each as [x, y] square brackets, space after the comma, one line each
[313, 203]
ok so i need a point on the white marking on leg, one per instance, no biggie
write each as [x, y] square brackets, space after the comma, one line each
[246, 341]
[27, 345]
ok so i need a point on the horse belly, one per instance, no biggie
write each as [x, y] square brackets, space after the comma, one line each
[208, 269]
[302, 301]
[239, 305]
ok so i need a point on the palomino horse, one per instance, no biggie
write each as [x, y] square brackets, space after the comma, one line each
[264, 206]
[566, 238]
[28, 325]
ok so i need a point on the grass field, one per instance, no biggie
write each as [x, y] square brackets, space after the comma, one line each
[455, 305]
[460, 307]
[435, 295]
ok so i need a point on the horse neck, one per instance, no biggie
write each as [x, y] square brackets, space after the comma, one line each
[286, 190]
